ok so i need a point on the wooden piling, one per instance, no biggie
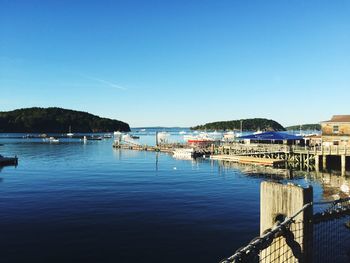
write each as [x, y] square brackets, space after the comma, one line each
[324, 162]
[280, 201]
[317, 163]
[343, 164]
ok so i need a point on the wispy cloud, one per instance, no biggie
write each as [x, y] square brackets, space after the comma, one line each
[106, 82]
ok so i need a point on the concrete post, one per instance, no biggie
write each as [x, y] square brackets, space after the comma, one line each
[343, 164]
[277, 199]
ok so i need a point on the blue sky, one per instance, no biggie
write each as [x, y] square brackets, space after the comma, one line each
[178, 63]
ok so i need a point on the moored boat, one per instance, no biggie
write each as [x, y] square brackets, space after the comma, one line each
[70, 134]
[8, 160]
[185, 154]
[54, 140]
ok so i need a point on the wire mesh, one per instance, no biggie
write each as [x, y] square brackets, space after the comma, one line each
[331, 238]
[326, 241]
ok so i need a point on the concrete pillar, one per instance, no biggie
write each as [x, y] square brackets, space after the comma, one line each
[278, 199]
[324, 162]
[343, 164]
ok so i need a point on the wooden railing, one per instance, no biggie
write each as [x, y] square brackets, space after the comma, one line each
[269, 148]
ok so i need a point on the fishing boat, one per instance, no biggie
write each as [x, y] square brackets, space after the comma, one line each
[201, 139]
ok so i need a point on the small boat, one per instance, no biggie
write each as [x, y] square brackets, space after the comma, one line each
[142, 130]
[183, 154]
[54, 140]
[162, 137]
[135, 137]
[8, 160]
[70, 134]
[229, 136]
[182, 132]
[127, 138]
[94, 138]
[107, 136]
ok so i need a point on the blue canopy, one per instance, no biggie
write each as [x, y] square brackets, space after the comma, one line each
[271, 136]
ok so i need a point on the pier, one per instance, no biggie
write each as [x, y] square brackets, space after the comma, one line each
[304, 157]
[275, 155]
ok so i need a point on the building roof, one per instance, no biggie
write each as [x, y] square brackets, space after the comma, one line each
[339, 118]
[271, 136]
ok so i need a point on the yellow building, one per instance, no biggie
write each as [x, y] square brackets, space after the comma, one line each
[336, 131]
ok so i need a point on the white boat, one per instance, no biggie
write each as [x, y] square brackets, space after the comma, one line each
[54, 140]
[182, 132]
[127, 138]
[107, 136]
[201, 138]
[183, 154]
[162, 137]
[142, 130]
[229, 136]
[70, 134]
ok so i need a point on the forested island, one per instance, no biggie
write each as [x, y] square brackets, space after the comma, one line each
[247, 125]
[56, 120]
[304, 127]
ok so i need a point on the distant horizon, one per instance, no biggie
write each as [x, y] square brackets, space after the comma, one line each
[162, 126]
[178, 63]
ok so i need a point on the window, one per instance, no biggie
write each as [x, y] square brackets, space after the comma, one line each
[335, 129]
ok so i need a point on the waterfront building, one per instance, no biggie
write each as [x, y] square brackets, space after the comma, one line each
[336, 131]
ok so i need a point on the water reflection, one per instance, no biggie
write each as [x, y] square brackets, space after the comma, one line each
[333, 184]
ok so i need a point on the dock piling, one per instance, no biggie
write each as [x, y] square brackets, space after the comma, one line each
[278, 201]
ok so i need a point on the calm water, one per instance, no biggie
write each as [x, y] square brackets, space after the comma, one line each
[75, 202]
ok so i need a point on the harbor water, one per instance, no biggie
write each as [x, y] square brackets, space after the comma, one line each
[87, 202]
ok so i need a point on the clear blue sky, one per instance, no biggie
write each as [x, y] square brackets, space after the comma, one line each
[178, 63]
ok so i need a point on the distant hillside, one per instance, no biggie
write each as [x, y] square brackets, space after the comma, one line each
[316, 127]
[248, 125]
[56, 120]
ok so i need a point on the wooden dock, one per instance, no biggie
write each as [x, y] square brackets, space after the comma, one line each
[303, 157]
[249, 160]
[166, 149]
